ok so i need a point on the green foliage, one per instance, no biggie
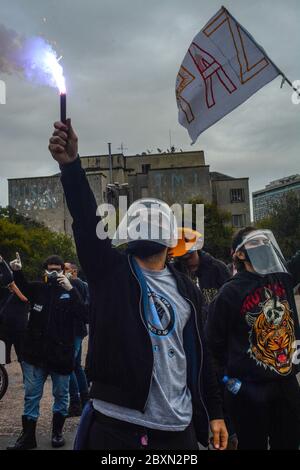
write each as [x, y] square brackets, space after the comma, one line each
[284, 221]
[217, 230]
[33, 241]
[12, 215]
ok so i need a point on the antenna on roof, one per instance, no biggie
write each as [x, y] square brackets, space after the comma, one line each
[170, 138]
[122, 148]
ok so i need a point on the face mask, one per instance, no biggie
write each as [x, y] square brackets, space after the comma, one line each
[264, 258]
[144, 248]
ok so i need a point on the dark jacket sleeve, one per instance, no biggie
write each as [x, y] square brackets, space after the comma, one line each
[4, 293]
[96, 256]
[211, 386]
[224, 273]
[81, 309]
[293, 266]
[217, 329]
[6, 275]
[27, 288]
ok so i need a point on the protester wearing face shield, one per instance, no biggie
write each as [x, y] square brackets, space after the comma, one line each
[253, 329]
[48, 346]
[146, 344]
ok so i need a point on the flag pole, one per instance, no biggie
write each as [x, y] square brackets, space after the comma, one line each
[280, 72]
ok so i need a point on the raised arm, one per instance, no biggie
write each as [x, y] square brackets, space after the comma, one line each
[96, 256]
[27, 288]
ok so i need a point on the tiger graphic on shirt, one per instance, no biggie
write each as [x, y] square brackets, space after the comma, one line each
[272, 334]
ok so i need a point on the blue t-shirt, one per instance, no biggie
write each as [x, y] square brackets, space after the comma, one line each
[169, 405]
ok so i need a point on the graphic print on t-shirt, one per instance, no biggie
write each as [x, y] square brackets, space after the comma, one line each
[161, 318]
[272, 335]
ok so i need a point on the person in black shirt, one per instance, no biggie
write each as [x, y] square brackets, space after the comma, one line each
[208, 273]
[253, 333]
[48, 346]
[14, 307]
[122, 317]
[13, 322]
[79, 392]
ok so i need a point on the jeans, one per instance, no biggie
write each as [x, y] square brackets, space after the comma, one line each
[78, 382]
[34, 381]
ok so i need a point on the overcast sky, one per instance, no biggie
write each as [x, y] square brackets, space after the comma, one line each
[121, 58]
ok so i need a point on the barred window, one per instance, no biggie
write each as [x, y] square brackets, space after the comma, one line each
[146, 167]
[237, 195]
[239, 220]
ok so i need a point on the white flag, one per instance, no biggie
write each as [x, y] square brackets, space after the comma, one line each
[223, 67]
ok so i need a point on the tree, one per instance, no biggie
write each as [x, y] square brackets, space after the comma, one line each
[33, 241]
[284, 221]
[217, 229]
[14, 216]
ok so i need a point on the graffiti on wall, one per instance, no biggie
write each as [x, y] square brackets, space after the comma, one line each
[35, 196]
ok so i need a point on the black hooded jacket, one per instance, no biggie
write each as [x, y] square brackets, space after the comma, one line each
[120, 351]
[210, 276]
[253, 324]
[13, 312]
[50, 333]
[212, 273]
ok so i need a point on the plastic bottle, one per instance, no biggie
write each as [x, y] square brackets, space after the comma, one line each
[232, 384]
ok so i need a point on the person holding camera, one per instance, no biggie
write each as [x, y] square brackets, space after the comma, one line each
[48, 346]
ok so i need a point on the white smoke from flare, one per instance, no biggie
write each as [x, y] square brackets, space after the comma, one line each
[33, 57]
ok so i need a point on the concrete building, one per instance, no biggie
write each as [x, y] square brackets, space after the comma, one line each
[42, 199]
[264, 200]
[232, 195]
[172, 177]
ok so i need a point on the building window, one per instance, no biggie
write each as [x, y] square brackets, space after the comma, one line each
[237, 195]
[145, 168]
[144, 191]
[238, 220]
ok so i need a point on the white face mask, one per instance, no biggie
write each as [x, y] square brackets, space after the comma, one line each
[53, 274]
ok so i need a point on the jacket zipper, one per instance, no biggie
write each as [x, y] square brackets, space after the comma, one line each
[141, 315]
[201, 364]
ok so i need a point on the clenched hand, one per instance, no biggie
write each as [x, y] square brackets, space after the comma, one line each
[220, 434]
[63, 144]
[16, 264]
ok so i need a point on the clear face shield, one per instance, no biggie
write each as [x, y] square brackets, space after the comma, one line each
[147, 219]
[263, 252]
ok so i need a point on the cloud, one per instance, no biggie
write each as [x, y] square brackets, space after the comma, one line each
[121, 58]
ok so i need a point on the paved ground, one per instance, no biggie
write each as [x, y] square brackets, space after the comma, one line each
[11, 407]
[43, 442]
